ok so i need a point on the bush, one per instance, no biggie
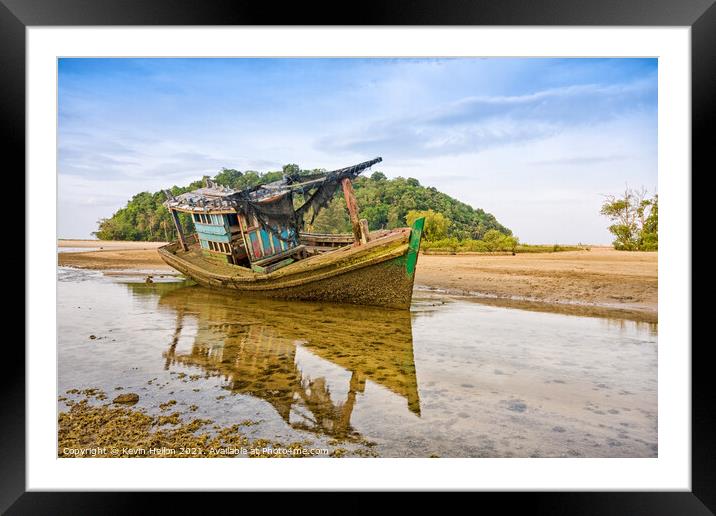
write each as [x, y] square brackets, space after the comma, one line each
[503, 243]
[450, 245]
[496, 241]
[436, 224]
[473, 246]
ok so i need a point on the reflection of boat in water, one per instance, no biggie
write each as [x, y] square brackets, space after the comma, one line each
[267, 349]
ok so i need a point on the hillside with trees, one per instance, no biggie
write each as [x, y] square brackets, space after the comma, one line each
[385, 203]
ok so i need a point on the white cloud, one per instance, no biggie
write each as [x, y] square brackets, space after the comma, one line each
[475, 123]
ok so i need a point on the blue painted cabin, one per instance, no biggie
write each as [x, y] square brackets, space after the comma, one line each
[233, 238]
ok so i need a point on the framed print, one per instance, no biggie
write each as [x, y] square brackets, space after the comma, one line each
[418, 250]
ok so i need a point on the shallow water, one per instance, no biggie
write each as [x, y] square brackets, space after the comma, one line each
[450, 378]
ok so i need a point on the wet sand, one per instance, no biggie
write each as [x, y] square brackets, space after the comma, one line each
[601, 277]
[170, 366]
[111, 255]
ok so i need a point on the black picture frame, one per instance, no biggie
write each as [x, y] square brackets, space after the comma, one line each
[700, 15]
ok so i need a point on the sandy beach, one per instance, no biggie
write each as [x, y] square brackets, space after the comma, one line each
[111, 255]
[600, 277]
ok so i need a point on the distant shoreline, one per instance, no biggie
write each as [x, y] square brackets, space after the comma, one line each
[95, 243]
[601, 278]
[99, 244]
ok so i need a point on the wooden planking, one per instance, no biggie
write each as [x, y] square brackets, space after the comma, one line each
[256, 252]
[210, 229]
[272, 267]
[266, 246]
[290, 252]
[216, 238]
[278, 245]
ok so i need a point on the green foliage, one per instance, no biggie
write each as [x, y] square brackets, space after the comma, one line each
[145, 218]
[492, 242]
[496, 241]
[384, 202]
[333, 218]
[291, 169]
[229, 177]
[556, 248]
[507, 245]
[634, 217]
[649, 234]
[436, 224]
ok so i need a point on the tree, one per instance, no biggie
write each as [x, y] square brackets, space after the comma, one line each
[436, 224]
[634, 218]
[496, 241]
[291, 169]
[229, 177]
[649, 234]
[333, 219]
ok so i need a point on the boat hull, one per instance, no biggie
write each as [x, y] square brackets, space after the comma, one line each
[379, 273]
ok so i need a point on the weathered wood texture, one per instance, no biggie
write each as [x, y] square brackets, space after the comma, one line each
[365, 232]
[180, 231]
[352, 205]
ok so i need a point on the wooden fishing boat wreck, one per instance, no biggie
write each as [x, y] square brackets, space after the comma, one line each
[252, 242]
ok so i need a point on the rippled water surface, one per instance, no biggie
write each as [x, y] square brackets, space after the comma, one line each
[448, 378]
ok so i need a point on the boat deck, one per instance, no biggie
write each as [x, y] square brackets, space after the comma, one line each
[195, 263]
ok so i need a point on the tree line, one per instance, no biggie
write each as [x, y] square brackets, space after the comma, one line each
[384, 202]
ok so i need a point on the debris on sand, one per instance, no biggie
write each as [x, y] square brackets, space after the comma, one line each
[128, 399]
[89, 430]
[166, 405]
[105, 431]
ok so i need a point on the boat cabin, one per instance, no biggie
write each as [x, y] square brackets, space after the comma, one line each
[259, 227]
[227, 235]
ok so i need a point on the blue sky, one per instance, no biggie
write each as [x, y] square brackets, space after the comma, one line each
[537, 142]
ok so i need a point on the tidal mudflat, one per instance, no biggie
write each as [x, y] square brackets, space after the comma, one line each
[599, 281]
[168, 364]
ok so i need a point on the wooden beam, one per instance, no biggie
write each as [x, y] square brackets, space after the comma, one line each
[180, 232]
[245, 236]
[352, 205]
[364, 229]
